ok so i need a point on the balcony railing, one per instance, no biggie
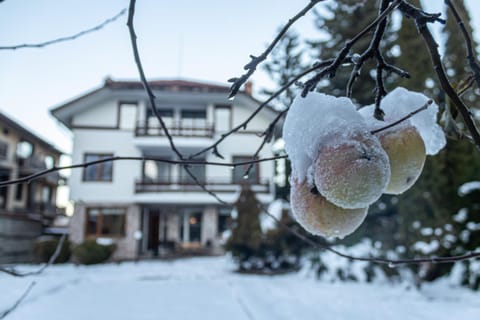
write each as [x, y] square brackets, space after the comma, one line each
[178, 129]
[213, 184]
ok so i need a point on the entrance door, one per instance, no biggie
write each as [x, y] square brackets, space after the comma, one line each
[153, 230]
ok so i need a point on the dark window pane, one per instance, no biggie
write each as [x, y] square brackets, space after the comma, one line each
[92, 220]
[197, 170]
[194, 114]
[3, 150]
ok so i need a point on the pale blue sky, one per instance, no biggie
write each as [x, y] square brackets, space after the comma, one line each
[204, 40]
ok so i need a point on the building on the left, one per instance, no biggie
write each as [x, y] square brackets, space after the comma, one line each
[27, 210]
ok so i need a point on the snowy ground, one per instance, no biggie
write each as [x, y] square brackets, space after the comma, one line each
[205, 288]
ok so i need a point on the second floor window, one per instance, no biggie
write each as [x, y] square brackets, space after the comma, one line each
[239, 171]
[98, 172]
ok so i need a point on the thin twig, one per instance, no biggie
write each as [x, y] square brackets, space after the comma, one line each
[52, 260]
[390, 262]
[68, 38]
[39, 174]
[148, 90]
[255, 61]
[411, 114]
[244, 124]
[331, 69]
[17, 303]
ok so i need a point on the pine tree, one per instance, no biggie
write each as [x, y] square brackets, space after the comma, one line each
[246, 238]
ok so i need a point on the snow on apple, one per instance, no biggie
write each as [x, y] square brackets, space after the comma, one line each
[339, 167]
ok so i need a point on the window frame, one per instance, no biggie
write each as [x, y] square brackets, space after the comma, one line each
[99, 171]
[98, 229]
[4, 149]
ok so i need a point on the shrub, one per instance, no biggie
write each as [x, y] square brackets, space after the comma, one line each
[44, 248]
[90, 252]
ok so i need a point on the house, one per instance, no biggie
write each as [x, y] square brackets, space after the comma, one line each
[25, 209]
[146, 206]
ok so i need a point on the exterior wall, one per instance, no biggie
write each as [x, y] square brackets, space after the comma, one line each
[103, 115]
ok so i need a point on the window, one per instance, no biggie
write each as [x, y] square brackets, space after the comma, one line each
[239, 171]
[24, 149]
[3, 150]
[191, 226]
[19, 192]
[98, 172]
[105, 222]
[128, 115]
[223, 220]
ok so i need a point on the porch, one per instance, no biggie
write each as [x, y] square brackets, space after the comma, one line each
[170, 229]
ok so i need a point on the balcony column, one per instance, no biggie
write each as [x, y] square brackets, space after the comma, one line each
[209, 225]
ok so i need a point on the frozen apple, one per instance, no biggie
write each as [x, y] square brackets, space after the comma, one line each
[352, 173]
[406, 150]
[319, 216]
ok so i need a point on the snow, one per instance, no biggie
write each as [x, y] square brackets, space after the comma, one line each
[275, 209]
[311, 121]
[468, 188]
[206, 288]
[398, 104]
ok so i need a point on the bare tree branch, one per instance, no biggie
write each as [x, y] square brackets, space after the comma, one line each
[471, 55]
[389, 262]
[421, 19]
[253, 64]
[5, 313]
[67, 38]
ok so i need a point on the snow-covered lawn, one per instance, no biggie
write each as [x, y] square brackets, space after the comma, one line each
[205, 288]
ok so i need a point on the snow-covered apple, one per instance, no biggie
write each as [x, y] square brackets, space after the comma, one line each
[319, 216]
[406, 151]
[352, 173]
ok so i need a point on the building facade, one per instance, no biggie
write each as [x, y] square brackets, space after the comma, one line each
[147, 206]
[26, 209]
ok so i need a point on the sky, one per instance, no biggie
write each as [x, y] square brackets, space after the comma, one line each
[208, 40]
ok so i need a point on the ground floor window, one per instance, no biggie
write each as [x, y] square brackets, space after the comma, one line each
[191, 226]
[106, 222]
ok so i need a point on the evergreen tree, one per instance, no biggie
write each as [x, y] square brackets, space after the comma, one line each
[246, 239]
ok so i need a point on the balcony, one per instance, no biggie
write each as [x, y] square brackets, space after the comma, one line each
[219, 184]
[188, 129]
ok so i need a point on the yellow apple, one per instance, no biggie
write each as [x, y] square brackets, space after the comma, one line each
[406, 150]
[319, 216]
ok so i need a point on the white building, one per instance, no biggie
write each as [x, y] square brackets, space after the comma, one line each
[118, 199]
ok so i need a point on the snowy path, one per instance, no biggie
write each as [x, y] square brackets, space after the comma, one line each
[205, 288]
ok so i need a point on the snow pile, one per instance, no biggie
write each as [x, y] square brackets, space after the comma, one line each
[401, 102]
